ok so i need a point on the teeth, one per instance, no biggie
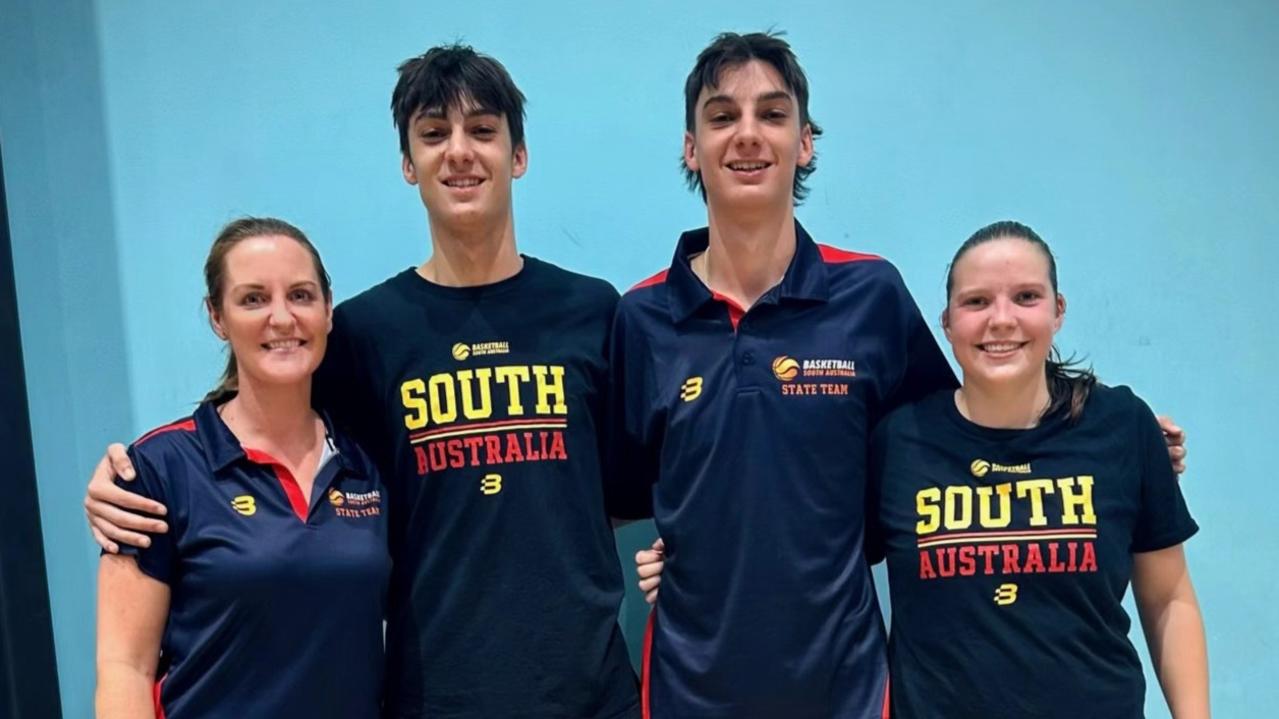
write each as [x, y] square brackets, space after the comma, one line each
[1000, 346]
[467, 182]
[283, 344]
[747, 166]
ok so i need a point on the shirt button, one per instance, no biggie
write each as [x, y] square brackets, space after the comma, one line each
[748, 358]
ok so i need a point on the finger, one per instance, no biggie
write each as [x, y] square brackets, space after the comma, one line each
[647, 556]
[1177, 453]
[651, 597]
[659, 545]
[109, 494]
[119, 518]
[652, 569]
[648, 585]
[1179, 467]
[1175, 434]
[120, 462]
[107, 545]
[112, 532]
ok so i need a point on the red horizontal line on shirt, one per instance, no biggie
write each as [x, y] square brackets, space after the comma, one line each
[1007, 536]
[510, 424]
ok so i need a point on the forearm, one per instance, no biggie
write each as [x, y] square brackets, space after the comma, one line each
[124, 691]
[1179, 652]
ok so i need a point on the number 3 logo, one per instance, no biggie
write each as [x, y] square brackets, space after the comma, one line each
[1005, 594]
[491, 484]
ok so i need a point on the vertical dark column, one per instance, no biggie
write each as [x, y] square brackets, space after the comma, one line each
[28, 670]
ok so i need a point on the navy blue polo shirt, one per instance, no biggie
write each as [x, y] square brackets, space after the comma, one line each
[276, 605]
[745, 433]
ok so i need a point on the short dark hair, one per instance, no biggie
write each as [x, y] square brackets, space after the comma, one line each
[448, 76]
[1069, 382]
[730, 50]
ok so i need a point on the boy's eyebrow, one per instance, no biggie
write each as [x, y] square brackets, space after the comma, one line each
[436, 113]
[765, 97]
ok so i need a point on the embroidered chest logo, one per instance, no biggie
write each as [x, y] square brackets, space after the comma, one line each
[691, 389]
[356, 504]
[245, 504]
[980, 468]
[801, 377]
[463, 351]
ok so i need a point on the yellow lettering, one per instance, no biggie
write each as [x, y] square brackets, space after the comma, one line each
[483, 376]
[1035, 489]
[1005, 492]
[443, 399]
[1072, 499]
[411, 395]
[513, 375]
[959, 507]
[548, 390]
[926, 501]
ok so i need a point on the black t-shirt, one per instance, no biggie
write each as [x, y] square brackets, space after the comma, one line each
[1009, 552]
[482, 407]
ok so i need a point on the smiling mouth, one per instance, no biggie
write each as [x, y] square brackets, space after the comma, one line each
[284, 345]
[1000, 347]
[463, 182]
[748, 165]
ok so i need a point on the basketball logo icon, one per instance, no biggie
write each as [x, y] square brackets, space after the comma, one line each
[336, 498]
[979, 467]
[461, 351]
[785, 368]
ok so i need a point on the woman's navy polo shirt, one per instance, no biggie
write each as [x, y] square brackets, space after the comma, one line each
[275, 607]
[745, 434]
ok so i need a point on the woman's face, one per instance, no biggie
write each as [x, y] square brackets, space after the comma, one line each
[1002, 313]
[274, 314]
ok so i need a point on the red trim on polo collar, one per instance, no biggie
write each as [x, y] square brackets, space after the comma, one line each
[735, 311]
[292, 489]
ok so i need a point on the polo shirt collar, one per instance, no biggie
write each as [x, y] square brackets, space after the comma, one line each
[222, 448]
[805, 278]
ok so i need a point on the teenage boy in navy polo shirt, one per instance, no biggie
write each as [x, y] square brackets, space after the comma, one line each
[747, 378]
[476, 380]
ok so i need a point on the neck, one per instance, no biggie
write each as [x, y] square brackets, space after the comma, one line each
[1005, 406]
[747, 256]
[278, 420]
[474, 255]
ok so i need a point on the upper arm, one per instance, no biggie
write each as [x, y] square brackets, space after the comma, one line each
[159, 559]
[1159, 577]
[132, 611]
[630, 457]
[924, 368]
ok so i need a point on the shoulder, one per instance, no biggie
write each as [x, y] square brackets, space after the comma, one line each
[174, 437]
[373, 300]
[926, 414]
[573, 286]
[646, 295]
[1115, 404]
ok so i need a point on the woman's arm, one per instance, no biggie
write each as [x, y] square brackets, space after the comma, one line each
[1174, 629]
[132, 610]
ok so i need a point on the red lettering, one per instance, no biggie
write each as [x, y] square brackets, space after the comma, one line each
[557, 446]
[1011, 555]
[456, 459]
[473, 443]
[530, 453]
[1034, 560]
[1089, 562]
[942, 555]
[1054, 565]
[435, 452]
[1070, 549]
[513, 451]
[492, 449]
[420, 455]
[925, 564]
[967, 561]
[988, 552]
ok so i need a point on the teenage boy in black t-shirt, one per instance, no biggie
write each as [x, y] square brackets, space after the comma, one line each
[476, 381]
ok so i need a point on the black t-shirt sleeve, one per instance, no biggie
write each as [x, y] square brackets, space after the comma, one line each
[1163, 520]
[331, 387]
[631, 454]
[159, 560]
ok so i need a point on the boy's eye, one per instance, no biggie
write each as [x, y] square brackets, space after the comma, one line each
[484, 131]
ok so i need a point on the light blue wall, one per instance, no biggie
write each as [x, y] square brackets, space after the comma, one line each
[1139, 138]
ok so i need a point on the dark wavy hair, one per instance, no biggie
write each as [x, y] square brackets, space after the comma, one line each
[448, 75]
[730, 50]
[1069, 381]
